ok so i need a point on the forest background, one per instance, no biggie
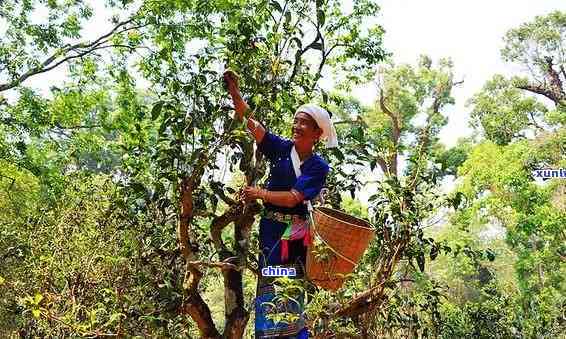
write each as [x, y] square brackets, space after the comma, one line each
[118, 212]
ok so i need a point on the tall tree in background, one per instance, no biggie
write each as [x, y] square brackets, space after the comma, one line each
[506, 108]
[407, 199]
[539, 47]
[524, 134]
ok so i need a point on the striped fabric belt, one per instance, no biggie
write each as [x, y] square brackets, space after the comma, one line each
[296, 228]
[282, 217]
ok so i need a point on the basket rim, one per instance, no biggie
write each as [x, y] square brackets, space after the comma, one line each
[321, 209]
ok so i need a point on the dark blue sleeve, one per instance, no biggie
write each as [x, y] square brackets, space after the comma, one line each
[272, 146]
[312, 179]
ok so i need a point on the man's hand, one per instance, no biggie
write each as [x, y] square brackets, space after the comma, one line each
[232, 83]
[280, 198]
[231, 80]
[253, 193]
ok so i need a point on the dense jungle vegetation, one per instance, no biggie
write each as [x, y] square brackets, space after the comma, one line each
[118, 189]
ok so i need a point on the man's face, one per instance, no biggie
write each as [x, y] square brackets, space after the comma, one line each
[305, 129]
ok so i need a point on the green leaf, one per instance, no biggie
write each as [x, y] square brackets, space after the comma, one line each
[156, 110]
[324, 97]
[490, 254]
[36, 313]
[372, 164]
[298, 42]
[317, 45]
[421, 261]
[434, 252]
[287, 17]
[434, 293]
[338, 154]
[37, 298]
[276, 5]
[138, 187]
[321, 17]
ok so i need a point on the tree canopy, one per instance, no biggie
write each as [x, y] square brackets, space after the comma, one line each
[119, 206]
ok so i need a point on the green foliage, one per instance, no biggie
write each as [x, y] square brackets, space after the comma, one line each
[90, 173]
[532, 42]
[500, 190]
[451, 159]
[504, 113]
[71, 268]
[95, 166]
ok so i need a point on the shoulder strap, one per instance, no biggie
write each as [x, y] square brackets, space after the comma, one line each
[297, 167]
[296, 161]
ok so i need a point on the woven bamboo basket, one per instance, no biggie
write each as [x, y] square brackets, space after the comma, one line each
[344, 239]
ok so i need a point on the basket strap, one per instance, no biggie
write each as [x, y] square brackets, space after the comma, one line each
[295, 160]
[331, 248]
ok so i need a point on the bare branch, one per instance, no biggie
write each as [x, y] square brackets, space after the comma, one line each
[374, 296]
[394, 118]
[221, 265]
[396, 133]
[219, 223]
[538, 89]
[196, 307]
[81, 49]
[554, 76]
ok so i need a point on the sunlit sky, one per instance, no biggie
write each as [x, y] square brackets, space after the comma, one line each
[469, 32]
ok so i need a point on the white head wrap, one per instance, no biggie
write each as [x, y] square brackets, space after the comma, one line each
[322, 118]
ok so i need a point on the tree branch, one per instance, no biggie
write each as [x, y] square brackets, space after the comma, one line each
[221, 265]
[222, 195]
[394, 118]
[374, 296]
[236, 314]
[534, 122]
[298, 57]
[396, 132]
[554, 77]
[82, 49]
[542, 91]
[185, 218]
[194, 305]
[220, 222]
